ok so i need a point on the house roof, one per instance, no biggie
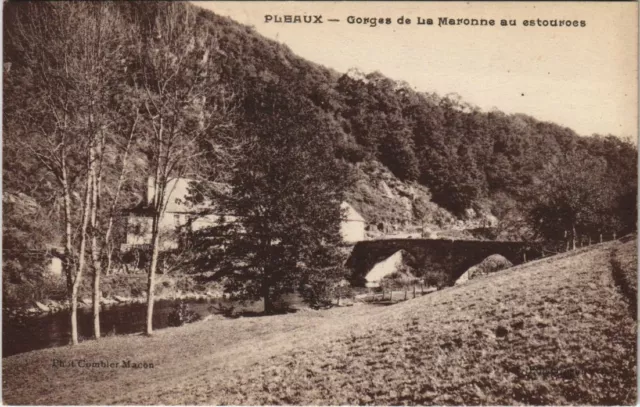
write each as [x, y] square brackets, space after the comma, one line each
[179, 189]
[177, 192]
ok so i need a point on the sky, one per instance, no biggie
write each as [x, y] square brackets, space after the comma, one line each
[584, 78]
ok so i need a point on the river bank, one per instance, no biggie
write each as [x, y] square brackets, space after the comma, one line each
[45, 307]
[550, 332]
[24, 333]
[119, 289]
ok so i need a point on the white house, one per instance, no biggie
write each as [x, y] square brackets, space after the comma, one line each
[54, 267]
[353, 225]
[179, 212]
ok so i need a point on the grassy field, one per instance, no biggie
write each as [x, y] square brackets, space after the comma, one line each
[553, 331]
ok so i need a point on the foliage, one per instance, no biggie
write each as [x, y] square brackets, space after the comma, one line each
[573, 197]
[320, 290]
[285, 204]
[23, 293]
[182, 314]
[437, 279]
[25, 234]
[151, 54]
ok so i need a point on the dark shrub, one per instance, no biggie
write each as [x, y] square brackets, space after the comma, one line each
[182, 314]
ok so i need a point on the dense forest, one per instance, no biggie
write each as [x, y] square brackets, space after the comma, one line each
[519, 169]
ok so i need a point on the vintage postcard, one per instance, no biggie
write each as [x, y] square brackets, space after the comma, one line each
[319, 203]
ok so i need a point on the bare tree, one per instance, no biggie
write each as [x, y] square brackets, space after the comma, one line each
[184, 103]
[60, 110]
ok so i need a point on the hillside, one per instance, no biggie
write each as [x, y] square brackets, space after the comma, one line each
[553, 331]
[450, 166]
[459, 167]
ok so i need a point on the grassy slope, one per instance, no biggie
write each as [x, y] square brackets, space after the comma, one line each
[624, 260]
[552, 331]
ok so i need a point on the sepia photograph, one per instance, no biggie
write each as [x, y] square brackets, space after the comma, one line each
[319, 203]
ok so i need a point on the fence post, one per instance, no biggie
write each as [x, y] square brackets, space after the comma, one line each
[524, 256]
[614, 235]
[600, 237]
[414, 290]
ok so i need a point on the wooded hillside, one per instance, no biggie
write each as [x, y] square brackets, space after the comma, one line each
[458, 157]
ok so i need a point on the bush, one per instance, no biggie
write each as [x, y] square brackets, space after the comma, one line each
[44, 288]
[491, 264]
[319, 292]
[437, 279]
[182, 314]
[125, 285]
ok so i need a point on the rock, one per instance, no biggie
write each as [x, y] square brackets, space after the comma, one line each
[121, 299]
[107, 301]
[386, 190]
[491, 221]
[408, 206]
[42, 307]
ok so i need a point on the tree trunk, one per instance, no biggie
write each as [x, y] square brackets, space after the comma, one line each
[600, 237]
[95, 256]
[155, 243]
[158, 203]
[573, 236]
[268, 301]
[81, 261]
[68, 255]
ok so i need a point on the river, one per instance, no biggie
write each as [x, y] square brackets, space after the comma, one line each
[24, 334]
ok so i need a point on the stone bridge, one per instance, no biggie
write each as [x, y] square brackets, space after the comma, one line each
[439, 259]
